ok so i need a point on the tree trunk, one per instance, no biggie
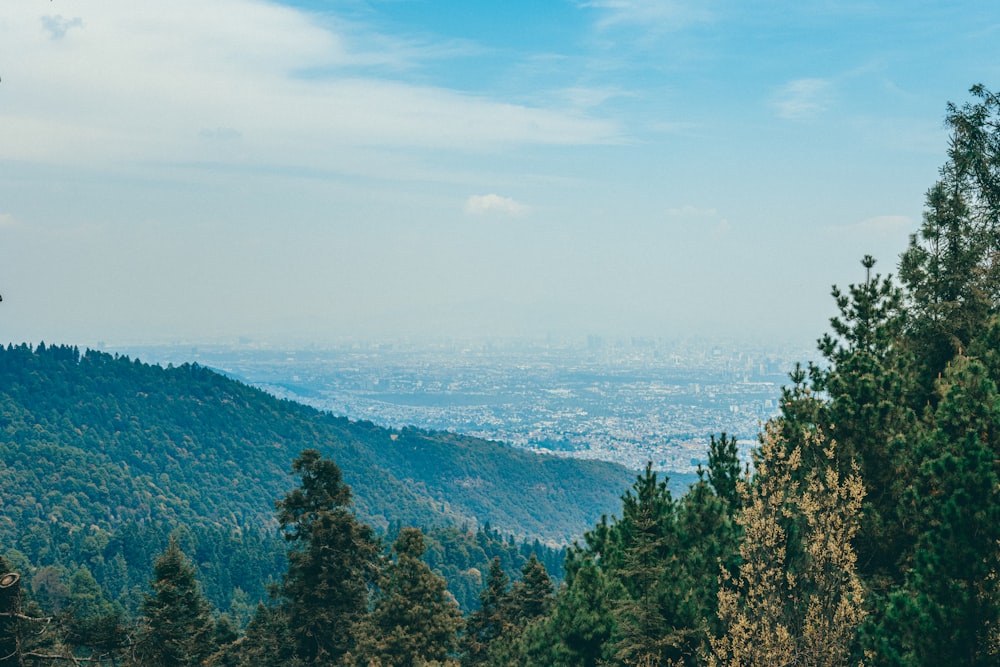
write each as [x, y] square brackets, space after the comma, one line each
[10, 604]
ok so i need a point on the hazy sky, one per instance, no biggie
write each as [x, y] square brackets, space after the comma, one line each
[197, 170]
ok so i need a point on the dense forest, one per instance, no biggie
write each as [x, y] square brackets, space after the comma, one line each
[866, 531]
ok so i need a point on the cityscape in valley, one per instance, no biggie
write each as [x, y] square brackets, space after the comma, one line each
[628, 401]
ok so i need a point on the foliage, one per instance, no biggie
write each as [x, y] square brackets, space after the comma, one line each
[793, 602]
[414, 621]
[91, 443]
[948, 608]
[333, 560]
[178, 628]
[462, 557]
[642, 587]
[951, 269]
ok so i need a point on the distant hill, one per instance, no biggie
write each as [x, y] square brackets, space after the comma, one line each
[96, 440]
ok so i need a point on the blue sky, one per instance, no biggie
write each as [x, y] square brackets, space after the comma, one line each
[314, 171]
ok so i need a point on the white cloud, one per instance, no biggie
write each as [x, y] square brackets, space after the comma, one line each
[492, 203]
[584, 97]
[7, 221]
[802, 99]
[142, 82]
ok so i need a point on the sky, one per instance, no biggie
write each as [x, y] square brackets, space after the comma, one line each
[311, 171]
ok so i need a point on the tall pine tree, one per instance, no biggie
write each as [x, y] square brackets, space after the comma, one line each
[948, 611]
[178, 627]
[415, 621]
[796, 599]
[333, 560]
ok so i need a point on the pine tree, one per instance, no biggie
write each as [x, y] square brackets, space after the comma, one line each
[491, 620]
[524, 611]
[333, 560]
[267, 641]
[707, 539]
[415, 621]
[951, 268]
[724, 469]
[949, 610]
[90, 620]
[868, 388]
[178, 624]
[639, 560]
[531, 597]
[793, 601]
[582, 622]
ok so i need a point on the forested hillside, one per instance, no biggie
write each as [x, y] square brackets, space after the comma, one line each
[94, 439]
[103, 459]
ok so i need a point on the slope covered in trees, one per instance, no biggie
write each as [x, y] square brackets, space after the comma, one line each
[104, 459]
[91, 439]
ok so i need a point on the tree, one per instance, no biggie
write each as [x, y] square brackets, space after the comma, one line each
[491, 620]
[707, 538]
[414, 621]
[531, 597]
[178, 625]
[638, 559]
[724, 469]
[525, 637]
[951, 268]
[90, 620]
[267, 641]
[948, 612]
[869, 385]
[793, 601]
[579, 630]
[333, 560]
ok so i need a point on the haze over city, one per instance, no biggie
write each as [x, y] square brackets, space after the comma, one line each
[306, 171]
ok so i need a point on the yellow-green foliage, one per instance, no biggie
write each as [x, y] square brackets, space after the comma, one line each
[796, 599]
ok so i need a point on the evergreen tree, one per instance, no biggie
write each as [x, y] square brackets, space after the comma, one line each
[90, 620]
[639, 561]
[333, 560]
[267, 642]
[707, 539]
[524, 611]
[582, 622]
[531, 597]
[951, 268]
[793, 602]
[491, 620]
[178, 625]
[868, 387]
[415, 621]
[949, 610]
[724, 469]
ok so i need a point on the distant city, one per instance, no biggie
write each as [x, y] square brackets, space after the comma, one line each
[629, 401]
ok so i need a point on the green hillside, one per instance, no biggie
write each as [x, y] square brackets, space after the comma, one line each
[98, 440]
